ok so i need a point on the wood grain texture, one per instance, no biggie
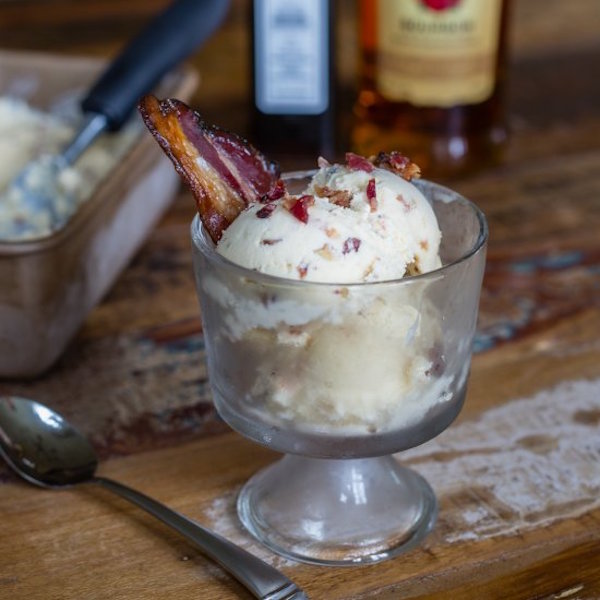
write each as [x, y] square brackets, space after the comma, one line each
[517, 475]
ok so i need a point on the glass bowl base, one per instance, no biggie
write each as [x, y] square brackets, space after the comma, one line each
[337, 512]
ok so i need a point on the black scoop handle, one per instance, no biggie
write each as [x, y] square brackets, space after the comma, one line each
[170, 37]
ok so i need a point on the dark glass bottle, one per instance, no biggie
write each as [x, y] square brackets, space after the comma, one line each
[431, 82]
[293, 80]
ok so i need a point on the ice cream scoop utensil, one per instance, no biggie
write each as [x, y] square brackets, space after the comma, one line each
[169, 38]
[46, 450]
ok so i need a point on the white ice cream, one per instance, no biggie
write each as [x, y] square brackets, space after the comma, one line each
[394, 234]
[338, 358]
[372, 372]
[27, 134]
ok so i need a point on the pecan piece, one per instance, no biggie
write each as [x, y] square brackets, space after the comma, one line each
[397, 163]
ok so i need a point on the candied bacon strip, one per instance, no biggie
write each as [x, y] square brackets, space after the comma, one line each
[276, 192]
[224, 172]
[266, 211]
[397, 163]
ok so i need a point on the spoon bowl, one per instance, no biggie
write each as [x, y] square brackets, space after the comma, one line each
[41, 446]
[46, 450]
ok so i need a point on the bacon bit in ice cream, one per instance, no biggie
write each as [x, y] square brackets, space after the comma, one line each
[341, 198]
[265, 211]
[397, 160]
[343, 292]
[398, 163]
[323, 163]
[276, 192]
[270, 241]
[438, 362]
[358, 163]
[332, 232]
[302, 271]
[351, 245]
[267, 299]
[424, 244]
[325, 252]
[300, 207]
[407, 204]
[372, 195]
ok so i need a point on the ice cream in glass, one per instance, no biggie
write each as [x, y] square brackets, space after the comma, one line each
[339, 308]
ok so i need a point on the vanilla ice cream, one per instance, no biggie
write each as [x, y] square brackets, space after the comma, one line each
[344, 358]
[27, 134]
[360, 227]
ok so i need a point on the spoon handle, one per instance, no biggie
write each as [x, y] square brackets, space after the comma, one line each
[168, 39]
[264, 581]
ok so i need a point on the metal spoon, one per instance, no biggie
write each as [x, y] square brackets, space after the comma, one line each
[47, 451]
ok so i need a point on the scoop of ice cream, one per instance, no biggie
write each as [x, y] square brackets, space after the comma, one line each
[373, 372]
[350, 226]
[336, 358]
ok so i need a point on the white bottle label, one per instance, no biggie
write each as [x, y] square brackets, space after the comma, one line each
[291, 53]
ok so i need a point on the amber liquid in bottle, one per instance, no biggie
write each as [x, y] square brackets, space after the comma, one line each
[427, 120]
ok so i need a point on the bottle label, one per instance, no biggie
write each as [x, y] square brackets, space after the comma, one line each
[291, 54]
[437, 52]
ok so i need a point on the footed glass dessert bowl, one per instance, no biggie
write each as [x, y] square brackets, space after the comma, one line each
[339, 377]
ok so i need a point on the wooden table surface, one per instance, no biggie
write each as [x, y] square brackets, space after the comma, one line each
[517, 475]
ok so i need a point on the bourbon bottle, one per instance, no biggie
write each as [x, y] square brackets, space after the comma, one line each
[431, 82]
